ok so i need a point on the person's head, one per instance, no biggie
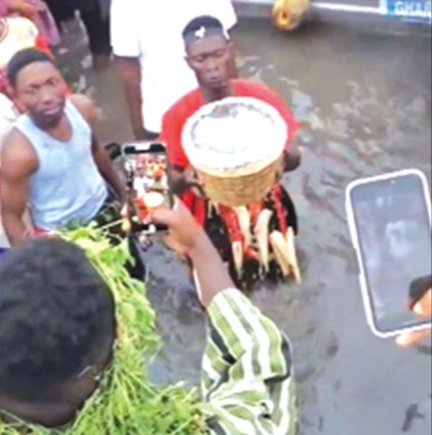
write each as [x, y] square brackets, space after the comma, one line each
[38, 86]
[57, 330]
[209, 52]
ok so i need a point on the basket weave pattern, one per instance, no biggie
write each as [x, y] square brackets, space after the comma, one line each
[237, 186]
[241, 190]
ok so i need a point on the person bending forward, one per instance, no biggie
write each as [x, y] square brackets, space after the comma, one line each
[209, 54]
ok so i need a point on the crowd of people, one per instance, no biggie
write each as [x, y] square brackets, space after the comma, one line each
[54, 174]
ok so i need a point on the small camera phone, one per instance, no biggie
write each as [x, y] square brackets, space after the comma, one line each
[146, 168]
[389, 218]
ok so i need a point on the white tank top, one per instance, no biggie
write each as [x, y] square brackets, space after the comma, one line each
[67, 187]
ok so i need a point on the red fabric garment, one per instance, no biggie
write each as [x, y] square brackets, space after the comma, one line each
[42, 44]
[175, 119]
[36, 232]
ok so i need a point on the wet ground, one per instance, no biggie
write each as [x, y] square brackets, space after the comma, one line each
[367, 99]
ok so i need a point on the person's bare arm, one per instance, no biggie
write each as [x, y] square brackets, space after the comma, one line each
[105, 166]
[19, 162]
[22, 7]
[130, 72]
[186, 234]
[211, 272]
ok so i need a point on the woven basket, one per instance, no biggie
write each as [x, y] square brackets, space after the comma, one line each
[238, 183]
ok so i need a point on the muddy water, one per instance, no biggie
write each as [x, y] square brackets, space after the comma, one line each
[366, 103]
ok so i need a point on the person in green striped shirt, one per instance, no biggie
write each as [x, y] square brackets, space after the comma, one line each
[247, 382]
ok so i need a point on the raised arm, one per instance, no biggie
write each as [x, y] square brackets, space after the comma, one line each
[18, 163]
[247, 383]
[247, 380]
[22, 7]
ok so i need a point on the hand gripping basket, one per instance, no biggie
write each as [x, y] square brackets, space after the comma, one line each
[236, 146]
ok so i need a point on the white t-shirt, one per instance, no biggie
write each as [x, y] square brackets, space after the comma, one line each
[152, 31]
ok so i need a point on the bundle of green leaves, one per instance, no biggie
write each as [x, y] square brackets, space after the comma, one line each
[126, 402]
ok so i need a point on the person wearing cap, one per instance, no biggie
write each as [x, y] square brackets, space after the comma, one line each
[147, 43]
[209, 54]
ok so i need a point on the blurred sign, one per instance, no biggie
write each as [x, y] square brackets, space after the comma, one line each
[412, 10]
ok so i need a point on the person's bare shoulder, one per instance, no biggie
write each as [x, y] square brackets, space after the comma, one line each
[86, 107]
[18, 157]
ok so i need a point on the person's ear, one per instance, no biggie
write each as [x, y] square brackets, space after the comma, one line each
[189, 62]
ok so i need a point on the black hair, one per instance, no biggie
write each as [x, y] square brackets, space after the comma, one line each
[205, 23]
[22, 59]
[55, 314]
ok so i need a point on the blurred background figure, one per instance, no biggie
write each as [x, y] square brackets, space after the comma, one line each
[37, 11]
[94, 15]
[149, 51]
[24, 24]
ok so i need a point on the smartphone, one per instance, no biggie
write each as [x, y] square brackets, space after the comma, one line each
[389, 217]
[146, 169]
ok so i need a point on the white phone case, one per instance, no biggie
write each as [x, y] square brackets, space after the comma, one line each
[367, 300]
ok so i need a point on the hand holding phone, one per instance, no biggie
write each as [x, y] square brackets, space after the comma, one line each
[423, 309]
[390, 223]
[146, 169]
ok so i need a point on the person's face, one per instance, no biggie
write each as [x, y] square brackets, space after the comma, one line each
[209, 58]
[40, 93]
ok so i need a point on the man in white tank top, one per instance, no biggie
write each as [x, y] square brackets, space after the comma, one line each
[51, 159]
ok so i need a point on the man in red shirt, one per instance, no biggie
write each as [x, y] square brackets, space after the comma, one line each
[209, 53]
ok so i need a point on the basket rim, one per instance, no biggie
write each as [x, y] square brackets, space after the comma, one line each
[239, 172]
[280, 127]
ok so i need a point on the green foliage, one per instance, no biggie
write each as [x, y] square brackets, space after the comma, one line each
[126, 402]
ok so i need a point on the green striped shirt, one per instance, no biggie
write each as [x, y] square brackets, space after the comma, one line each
[246, 383]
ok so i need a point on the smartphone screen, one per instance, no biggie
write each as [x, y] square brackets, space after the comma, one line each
[147, 181]
[392, 221]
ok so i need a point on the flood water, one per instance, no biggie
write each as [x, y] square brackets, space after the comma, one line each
[366, 102]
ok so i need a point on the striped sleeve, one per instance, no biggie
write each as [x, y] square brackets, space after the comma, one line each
[247, 384]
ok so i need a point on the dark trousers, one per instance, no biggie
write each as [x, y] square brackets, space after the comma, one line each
[98, 31]
[97, 26]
